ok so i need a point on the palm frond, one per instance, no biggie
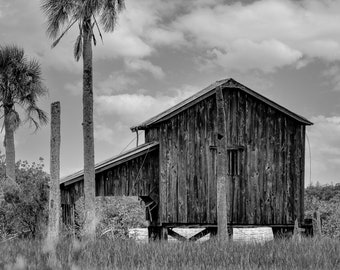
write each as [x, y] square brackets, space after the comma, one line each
[78, 47]
[94, 40]
[34, 71]
[13, 119]
[36, 116]
[109, 13]
[59, 13]
[30, 84]
[92, 7]
[23, 85]
[98, 28]
[121, 5]
[55, 43]
[10, 55]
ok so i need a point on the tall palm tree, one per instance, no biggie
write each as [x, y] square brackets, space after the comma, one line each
[89, 15]
[20, 86]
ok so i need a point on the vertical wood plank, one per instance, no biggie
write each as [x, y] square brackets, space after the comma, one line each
[168, 172]
[302, 168]
[174, 168]
[163, 175]
[181, 173]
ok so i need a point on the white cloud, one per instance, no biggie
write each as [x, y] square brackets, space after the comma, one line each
[280, 32]
[332, 75]
[160, 36]
[134, 108]
[245, 55]
[123, 43]
[103, 133]
[139, 30]
[325, 147]
[115, 114]
[117, 82]
[144, 65]
[130, 108]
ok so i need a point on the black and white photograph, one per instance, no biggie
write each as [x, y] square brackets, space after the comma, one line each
[197, 134]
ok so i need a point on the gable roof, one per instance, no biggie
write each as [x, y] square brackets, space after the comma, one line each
[211, 90]
[113, 161]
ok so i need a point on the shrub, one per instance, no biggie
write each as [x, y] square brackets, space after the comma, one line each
[114, 215]
[326, 200]
[24, 209]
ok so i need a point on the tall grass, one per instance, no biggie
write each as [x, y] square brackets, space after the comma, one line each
[126, 254]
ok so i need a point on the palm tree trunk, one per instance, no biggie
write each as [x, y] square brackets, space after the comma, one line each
[54, 198]
[89, 173]
[9, 145]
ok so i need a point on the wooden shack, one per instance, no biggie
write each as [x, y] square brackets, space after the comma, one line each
[175, 171]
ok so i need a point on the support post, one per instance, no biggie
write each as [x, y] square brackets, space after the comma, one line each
[164, 234]
[316, 224]
[222, 173]
[297, 230]
[137, 139]
[153, 233]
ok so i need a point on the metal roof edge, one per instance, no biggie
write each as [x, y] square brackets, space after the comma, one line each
[271, 103]
[110, 162]
[230, 82]
[179, 107]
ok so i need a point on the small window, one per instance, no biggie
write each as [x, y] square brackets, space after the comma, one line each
[234, 160]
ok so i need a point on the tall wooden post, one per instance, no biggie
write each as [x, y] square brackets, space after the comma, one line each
[222, 174]
[54, 198]
[316, 224]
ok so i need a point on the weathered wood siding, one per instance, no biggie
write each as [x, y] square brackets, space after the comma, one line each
[268, 185]
[135, 177]
[188, 165]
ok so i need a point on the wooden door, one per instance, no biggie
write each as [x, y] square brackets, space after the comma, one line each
[236, 194]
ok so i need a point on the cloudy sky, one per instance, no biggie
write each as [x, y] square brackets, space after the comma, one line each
[164, 51]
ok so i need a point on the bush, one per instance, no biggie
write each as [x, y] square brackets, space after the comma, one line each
[24, 209]
[326, 200]
[114, 214]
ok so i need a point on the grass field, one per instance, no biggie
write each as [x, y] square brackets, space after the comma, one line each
[127, 254]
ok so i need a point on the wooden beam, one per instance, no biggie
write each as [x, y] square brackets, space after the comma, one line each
[199, 235]
[176, 235]
[222, 174]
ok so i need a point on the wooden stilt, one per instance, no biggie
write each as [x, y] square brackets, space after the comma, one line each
[199, 235]
[164, 234]
[297, 231]
[316, 224]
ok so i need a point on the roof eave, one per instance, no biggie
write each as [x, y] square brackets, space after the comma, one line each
[112, 162]
[228, 83]
[208, 91]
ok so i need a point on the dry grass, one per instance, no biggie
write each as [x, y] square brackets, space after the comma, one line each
[127, 254]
